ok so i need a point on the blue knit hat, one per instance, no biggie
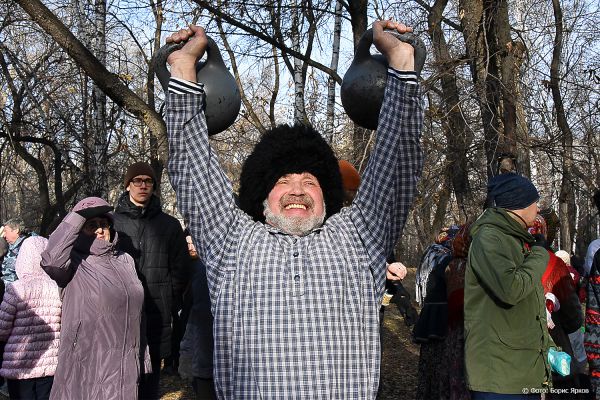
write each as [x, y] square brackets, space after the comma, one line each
[512, 192]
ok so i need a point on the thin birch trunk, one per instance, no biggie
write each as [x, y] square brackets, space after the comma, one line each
[335, 56]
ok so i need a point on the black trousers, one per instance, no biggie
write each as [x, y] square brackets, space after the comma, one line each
[204, 389]
[148, 388]
[30, 389]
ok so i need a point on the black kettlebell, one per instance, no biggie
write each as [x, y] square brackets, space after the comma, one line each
[223, 100]
[364, 83]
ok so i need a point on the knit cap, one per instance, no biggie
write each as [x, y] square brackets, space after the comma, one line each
[138, 168]
[563, 255]
[512, 192]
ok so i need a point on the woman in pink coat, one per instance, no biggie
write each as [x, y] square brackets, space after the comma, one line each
[30, 325]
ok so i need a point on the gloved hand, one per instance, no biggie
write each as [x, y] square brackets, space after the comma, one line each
[91, 207]
[540, 240]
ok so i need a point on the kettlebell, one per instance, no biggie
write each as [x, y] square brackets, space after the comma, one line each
[364, 83]
[223, 100]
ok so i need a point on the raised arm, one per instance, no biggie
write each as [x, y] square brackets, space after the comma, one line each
[506, 280]
[389, 182]
[204, 193]
[56, 259]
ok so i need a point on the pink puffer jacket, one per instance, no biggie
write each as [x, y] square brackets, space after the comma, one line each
[30, 317]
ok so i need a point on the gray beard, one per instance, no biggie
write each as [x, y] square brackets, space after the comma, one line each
[297, 226]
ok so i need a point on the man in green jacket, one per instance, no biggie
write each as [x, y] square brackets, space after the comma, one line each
[506, 339]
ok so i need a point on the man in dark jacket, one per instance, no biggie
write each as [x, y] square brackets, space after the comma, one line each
[156, 242]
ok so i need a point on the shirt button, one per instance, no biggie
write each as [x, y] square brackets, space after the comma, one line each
[297, 278]
[294, 240]
[295, 254]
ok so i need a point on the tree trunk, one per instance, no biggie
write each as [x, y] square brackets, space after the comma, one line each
[299, 77]
[522, 128]
[335, 56]
[506, 61]
[458, 136]
[157, 159]
[479, 21]
[358, 18]
[98, 184]
[566, 198]
[360, 136]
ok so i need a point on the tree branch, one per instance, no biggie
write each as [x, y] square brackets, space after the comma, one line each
[108, 82]
[427, 8]
[232, 21]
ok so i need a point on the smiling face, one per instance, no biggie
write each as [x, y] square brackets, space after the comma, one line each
[99, 227]
[295, 204]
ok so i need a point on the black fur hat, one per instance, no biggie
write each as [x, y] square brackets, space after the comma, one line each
[286, 150]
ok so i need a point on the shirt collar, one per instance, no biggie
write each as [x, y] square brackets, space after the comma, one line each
[274, 230]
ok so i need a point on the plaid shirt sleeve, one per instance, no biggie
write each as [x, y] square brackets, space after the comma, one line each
[388, 187]
[204, 193]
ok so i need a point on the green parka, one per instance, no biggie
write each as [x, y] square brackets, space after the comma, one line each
[506, 338]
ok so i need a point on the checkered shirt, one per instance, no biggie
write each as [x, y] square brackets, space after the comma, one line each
[297, 317]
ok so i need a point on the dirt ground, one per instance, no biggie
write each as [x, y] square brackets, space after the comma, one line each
[398, 366]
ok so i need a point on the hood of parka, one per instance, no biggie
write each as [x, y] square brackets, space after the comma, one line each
[30, 256]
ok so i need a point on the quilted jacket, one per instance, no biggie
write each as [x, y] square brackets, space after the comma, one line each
[30, 317]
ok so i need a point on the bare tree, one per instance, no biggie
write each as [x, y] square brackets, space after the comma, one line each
[566, 199]
[107, 81]
[458, 135]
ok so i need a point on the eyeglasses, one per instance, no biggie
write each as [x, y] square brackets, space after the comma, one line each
[94, 224]
[137, 182]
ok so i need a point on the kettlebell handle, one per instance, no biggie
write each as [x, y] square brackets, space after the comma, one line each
[363, 50]
[213, 55]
